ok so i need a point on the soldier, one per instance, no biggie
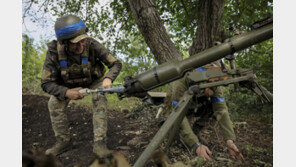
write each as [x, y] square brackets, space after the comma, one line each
[220, 112]
[73, 62]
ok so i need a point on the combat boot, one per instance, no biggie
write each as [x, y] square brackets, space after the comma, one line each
[100, 148]
[59, 147]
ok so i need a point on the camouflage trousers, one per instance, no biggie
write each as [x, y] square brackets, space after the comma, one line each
[60, 123]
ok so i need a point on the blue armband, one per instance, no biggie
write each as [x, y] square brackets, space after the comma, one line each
[175, 102]
[217, 99]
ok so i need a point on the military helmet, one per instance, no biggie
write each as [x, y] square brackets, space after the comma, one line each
[70, 27]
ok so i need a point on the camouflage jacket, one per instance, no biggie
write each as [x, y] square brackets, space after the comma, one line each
[52, 81]
[220, 110]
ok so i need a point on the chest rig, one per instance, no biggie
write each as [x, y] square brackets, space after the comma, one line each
[75, 75]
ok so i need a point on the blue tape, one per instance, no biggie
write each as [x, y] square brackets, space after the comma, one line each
[201, 69]
[175, 102]
[70, 29]
[217, 99]
[192, 84]
[63, 63]
[84, 60]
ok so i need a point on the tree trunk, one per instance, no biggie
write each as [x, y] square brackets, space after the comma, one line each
[209, 28]
[153, 31]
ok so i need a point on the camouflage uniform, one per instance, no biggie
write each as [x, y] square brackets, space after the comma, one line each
[219, 108]
[53, 83]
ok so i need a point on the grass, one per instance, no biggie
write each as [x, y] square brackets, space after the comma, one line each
[113, 102]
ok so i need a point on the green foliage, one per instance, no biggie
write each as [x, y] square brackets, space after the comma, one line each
[113, 24]
[32, 59]
[32, 63]
[242, 13]
[259, 56]
[113, 102]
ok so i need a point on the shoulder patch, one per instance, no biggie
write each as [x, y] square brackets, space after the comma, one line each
[45, 74]
[52, 46]
[111, 58]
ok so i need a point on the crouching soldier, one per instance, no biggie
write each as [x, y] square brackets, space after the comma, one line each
[220, 113]
[73, 62]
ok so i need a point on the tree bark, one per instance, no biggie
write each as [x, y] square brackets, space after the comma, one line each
[209, 28]
[153, 31]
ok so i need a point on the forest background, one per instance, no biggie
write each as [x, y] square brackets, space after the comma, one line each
[114, 25]
[282, 85]
[283, 82]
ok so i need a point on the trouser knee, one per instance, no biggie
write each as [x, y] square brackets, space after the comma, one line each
[99, 101]
[59, 118]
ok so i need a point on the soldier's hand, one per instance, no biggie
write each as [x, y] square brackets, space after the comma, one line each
[107, 83]
[204, 151]
[233, 151]
[74, 93]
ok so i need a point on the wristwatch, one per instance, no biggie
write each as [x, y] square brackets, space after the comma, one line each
[195, 146]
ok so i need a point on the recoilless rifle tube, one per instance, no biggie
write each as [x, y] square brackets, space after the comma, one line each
[173, 70]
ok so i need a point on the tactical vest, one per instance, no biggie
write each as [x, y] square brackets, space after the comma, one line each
[77, 75]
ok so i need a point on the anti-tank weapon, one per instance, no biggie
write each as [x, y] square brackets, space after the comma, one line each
[173, 70]
[120, 89]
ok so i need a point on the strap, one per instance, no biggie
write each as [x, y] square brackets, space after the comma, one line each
[156, 75]
[195, 146]
[231, 46]
[61, 52]
[86, 49]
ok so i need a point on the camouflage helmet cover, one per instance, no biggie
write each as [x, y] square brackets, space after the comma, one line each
[68, 27]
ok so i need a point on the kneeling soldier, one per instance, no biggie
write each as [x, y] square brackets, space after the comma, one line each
[220, 112]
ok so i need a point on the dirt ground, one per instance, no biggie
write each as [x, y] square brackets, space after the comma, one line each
[130, 132]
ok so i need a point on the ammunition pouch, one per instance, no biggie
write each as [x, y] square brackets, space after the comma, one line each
[79, 75]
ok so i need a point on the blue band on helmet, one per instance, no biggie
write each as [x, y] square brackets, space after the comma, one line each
[70, 29]
[84, 60]
[201, 69]
[175, 102]
[63, 63]
[217, 99]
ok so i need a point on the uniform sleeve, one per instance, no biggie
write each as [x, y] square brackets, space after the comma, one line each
[222, 116]
[178, 89]
[109, 60]
[49, 79]
[226, 127]
[186, 132]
